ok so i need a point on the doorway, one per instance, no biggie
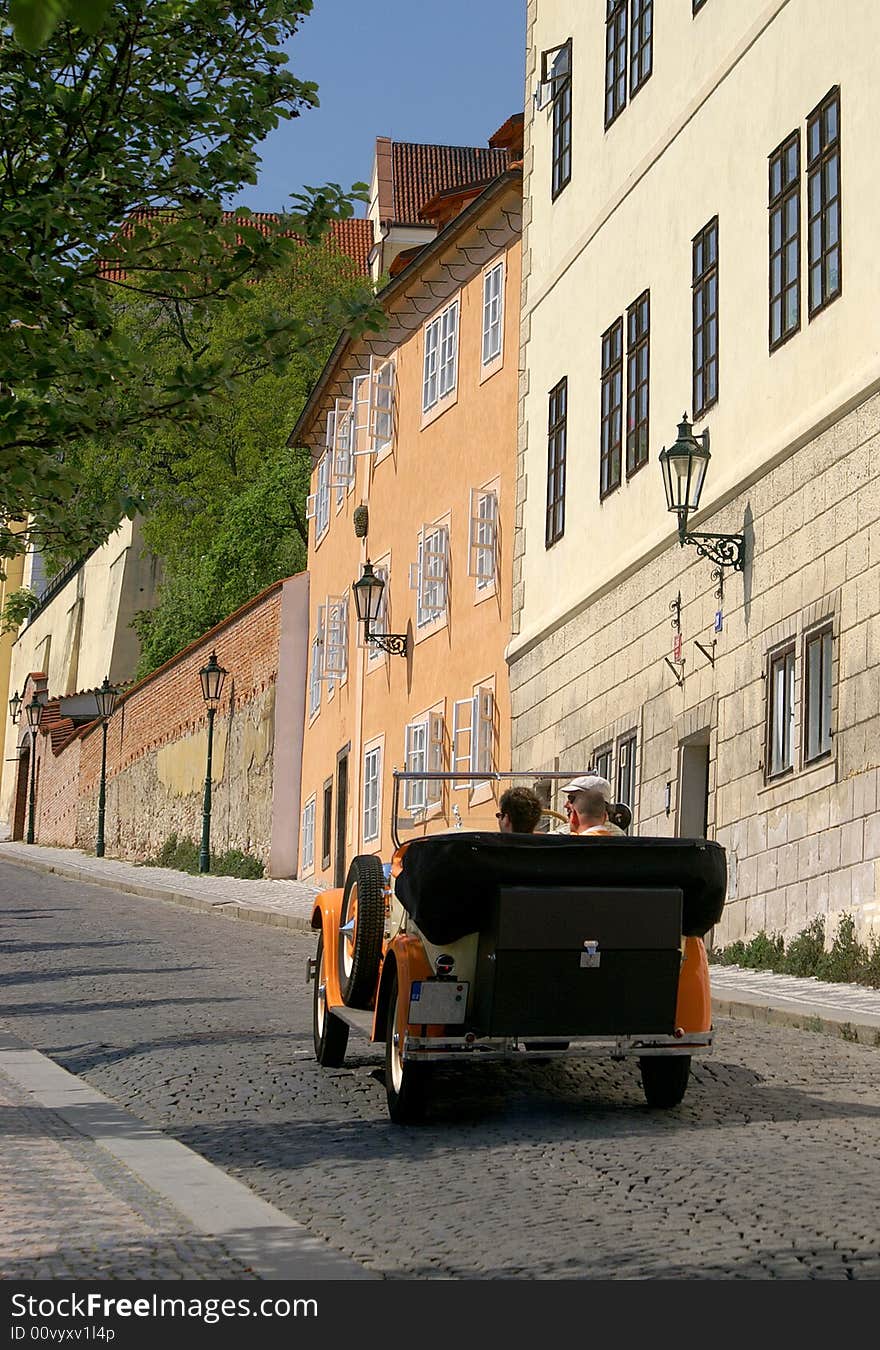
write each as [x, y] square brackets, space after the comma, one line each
[693, 787]
[19, 808]
[339, 868]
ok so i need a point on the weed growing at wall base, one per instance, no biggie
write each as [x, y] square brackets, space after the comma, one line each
[847, 961]
[183, 856]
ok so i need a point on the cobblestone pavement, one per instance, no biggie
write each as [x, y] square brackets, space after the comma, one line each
[768, 1170]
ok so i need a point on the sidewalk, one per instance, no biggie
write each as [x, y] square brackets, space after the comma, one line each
[843, 1010]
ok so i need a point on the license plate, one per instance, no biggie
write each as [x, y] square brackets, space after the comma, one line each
[438, 1001]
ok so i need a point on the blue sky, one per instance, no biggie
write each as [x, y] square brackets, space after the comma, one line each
[448, 72]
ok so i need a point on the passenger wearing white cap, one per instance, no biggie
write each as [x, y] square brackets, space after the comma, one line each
[586, 805]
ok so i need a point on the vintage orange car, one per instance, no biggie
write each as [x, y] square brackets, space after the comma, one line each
[473, 945]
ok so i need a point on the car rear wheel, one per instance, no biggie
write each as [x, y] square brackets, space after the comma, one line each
[330, 1035]
[361, 929]
[405, 1083]
[665, 1078]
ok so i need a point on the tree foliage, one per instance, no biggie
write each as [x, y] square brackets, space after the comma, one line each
[223, 496]
[122, 130]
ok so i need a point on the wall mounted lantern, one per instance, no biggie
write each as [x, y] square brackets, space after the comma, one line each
[211, 676]
[105, 697]
[368, 602]
[15, 707]
[34, 711]
[684, 467]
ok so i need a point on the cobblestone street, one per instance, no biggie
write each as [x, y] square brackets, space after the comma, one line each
[202, 1029]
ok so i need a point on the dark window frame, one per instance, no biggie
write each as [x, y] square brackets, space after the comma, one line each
[704, 315]
[817, 634]
[627, 770]
[561, 130]
[784, 187]
[638, 380]
[779, 656]
[616, 65]
[819, 162]
[557, 437]
[326, 823]
[601, 753]
[609, 446]
[641, 44]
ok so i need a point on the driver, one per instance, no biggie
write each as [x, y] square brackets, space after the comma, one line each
[587, 806]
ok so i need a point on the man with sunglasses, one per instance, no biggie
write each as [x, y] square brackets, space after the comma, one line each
[588, 805]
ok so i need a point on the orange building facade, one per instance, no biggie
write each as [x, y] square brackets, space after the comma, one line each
[413, 440]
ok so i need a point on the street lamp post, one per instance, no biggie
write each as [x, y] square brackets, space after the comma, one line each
[34, 713]
[105, 697]
[684, 467]
[211, 676]
[368, 593]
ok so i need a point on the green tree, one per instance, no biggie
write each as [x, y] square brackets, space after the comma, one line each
[223, 496]
[122, 129]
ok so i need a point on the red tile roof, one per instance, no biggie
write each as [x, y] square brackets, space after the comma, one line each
[420, 172]
[353, 237]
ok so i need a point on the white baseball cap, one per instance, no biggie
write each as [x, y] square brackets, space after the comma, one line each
[590, 782]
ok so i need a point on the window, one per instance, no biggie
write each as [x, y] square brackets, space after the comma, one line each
[493, 312]
[641, 46]
[326, 823]
[817, 695]
[322, 497]
[381, 404]
[615, 60]
[381, 622]
[343, 448]
[556, 73]
[483, 559]
[785, 240]
[823, 202]
[612, 408]
[335, 665]
[602, 762]
[638, 323]
[428, 575]
[473, 735]
[424, 751]
[372, 792]
[441, 357]
[556, 445]
[307, 851]
[316, 667]
[626, 771]
[780, 712]
[705, 317]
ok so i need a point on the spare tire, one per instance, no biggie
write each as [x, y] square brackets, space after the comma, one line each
[361, 929]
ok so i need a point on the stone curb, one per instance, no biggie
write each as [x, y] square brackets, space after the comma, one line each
[802, 1016]
[228, 909]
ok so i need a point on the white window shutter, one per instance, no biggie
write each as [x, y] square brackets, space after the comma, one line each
[311, 505]
[330, 434]
[436, 738]
[482, 552]
[462, 731]
[360, 414]
[336, 637]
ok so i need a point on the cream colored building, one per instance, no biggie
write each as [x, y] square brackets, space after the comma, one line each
[700, 234]
[81, 629]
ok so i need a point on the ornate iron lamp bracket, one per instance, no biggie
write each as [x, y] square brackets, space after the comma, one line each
[395, 644]
[724, 550]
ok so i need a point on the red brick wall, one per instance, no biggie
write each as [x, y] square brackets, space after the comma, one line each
[165, 707]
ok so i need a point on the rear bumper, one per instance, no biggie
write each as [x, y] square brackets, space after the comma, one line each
[425, 1048]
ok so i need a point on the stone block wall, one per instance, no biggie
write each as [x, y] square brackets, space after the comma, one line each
[804, 845]
[157, 751]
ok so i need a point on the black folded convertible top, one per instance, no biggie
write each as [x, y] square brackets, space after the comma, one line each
[448, 882]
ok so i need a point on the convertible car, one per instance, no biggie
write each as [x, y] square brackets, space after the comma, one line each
[473, 945]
